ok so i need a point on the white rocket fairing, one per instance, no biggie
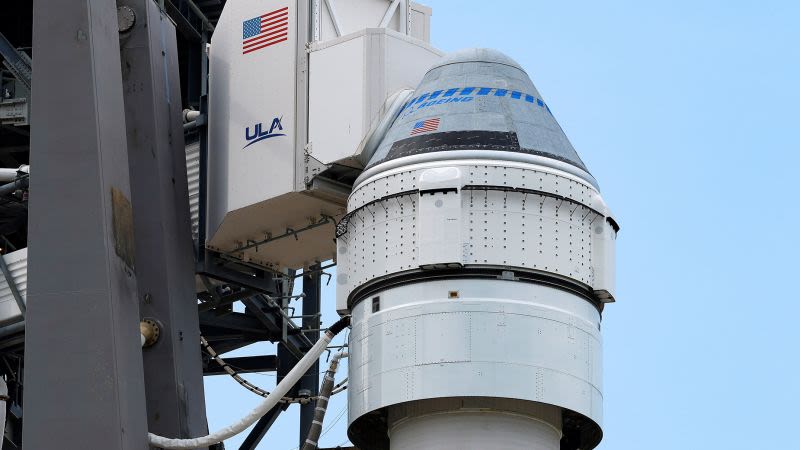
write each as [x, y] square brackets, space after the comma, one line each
[475, 258]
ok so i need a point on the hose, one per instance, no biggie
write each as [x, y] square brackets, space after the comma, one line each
[272, 399]
[246, 384]
[229, 370]
[341, 386]
[322, 403]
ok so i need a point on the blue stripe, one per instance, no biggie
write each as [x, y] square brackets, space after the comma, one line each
[467, 93]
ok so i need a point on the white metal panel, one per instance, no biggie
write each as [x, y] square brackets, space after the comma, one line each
[336, 99]
[439, 217]
[511, 229]
[501, 339]
[419, 21]
[352, 16]
[604, 237]
[250, 91]
[351, 79]
[17, 263]
[259, 188]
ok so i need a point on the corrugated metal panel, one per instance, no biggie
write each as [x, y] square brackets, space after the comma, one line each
[193, 175]
[17, 263]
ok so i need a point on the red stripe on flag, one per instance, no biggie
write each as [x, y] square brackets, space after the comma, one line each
[280, 38]
[274, 28]
[265, 37]
[269, 22]
[260, 35]
[285, 8]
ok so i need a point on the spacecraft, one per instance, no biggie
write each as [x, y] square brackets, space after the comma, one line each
[475, 258]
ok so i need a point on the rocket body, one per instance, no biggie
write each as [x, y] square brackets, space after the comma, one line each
[476, 257]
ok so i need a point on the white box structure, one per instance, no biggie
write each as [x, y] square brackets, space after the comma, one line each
[293, 101]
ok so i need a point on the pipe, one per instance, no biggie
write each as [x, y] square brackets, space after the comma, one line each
[190, 115]
[341, 386]
[280, 391]
[8, 175]
[322, 403]
[13, 328]
[246, 384]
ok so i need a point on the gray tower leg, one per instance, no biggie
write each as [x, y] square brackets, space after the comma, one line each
[172, 366]
[83, 380]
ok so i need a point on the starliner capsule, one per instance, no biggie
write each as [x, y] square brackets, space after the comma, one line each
[475, 258]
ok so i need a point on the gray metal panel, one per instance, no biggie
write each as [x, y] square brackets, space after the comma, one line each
[83, 381]
[16, 61]
[165, 273]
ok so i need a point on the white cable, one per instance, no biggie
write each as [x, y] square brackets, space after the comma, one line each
[281, 389]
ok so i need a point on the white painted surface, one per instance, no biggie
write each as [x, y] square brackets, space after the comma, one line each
[350, 16]
[264, 189]
[245, 90]
[512, 230]
[351, 79]
[478, 430]
[498, 338]
[17, 263]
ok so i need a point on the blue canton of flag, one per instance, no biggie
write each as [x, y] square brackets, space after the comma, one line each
[251, 27]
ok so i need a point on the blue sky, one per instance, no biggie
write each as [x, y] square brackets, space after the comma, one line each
[686, 113]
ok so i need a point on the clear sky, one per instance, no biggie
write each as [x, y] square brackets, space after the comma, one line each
[686, 113]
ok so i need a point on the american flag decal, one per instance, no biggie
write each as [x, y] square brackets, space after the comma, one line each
[265, 30]
[424, 126]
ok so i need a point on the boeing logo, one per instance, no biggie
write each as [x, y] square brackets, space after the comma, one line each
[260, 135]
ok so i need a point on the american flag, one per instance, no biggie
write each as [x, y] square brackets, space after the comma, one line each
[265, 30]
[424, 126]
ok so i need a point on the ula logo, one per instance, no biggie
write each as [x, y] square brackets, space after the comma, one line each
[260, 135]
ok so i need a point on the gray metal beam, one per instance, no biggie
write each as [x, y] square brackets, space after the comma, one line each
[261, 427]
[245, 364]
[17, 62]
[173, 366]
[296, 343]
[183, 24]
[234, 321]
[84, 384]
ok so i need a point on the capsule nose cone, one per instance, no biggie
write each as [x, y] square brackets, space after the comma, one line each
[477, 99]
[477, 55]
